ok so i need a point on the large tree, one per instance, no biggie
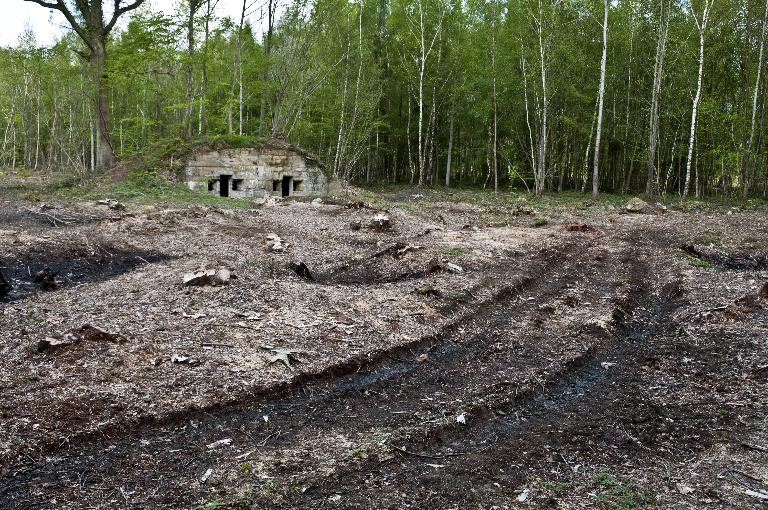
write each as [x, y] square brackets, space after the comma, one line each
[87, 19]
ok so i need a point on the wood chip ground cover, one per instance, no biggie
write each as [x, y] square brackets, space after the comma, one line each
[561, 368]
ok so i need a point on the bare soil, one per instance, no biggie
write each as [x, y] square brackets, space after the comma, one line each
[592, 362]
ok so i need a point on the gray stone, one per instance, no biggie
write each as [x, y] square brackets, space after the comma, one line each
[637, 205]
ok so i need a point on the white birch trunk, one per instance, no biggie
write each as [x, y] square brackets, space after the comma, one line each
[528, 118]
[653, 131]
[541, 169]
[450, 146]
[702, 26]
[600, 100]
[495, 109]
[748, 156]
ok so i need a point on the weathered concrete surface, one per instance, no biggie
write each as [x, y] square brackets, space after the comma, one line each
[270, 169]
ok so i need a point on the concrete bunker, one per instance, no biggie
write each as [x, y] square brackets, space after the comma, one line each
[273, 168]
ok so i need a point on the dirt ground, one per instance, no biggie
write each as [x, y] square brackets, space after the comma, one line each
[499, 353]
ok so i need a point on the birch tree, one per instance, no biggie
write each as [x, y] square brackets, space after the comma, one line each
[426, 45]
[658, 70]
[701, 25]
[600, 100]
[540, 163]
[748, 157]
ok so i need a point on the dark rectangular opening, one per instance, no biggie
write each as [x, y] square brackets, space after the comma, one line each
[275, 185]
[224, 185]
[237, 184]
[211, 184]
[298, 185]
[287, 185]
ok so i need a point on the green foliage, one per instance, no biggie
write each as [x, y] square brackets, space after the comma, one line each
[353, 83]
[456, 251]
[696, 262]
[708, 238]
[556, 489]
[620, 493]
[213, 505]
[146, 186]
[540, 222]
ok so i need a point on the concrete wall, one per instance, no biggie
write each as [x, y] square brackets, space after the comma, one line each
[255, 172]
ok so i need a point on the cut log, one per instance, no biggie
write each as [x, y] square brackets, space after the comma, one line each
[202, 277]
[73, 336]
[46, 279]
[380, 223]
[302, 270]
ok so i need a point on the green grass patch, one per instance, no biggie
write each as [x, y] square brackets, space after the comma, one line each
[621, 493]
[455, 251]
[213, 505]
[555, 489]
[144, 186]
[708, 239]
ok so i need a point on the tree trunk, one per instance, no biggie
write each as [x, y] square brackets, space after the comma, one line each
[495, 109]
[240, 68]
[748, 158]
[534, 168]
[187, 124]
[653, 130]
[267, 53]
[105, 156]
[450, 145]
[600, 99]
[702, 26]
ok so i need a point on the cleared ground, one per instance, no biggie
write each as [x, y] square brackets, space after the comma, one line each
[578, 357]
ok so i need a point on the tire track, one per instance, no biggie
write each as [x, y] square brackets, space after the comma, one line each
[184, 442]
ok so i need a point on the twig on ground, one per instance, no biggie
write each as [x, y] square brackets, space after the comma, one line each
[234, 325]
[52, 218]
[754, 447]
[427, 456]
[215, 344]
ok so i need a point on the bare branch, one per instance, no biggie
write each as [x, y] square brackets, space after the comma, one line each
[119, 11]
[60, 6]
[49, 5]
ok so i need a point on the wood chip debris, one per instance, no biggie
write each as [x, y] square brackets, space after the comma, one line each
[221, 442]
[76, 335]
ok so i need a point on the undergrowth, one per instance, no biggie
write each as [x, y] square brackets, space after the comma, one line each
[621, 493]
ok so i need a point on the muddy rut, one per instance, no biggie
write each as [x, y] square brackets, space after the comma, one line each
[548, 352]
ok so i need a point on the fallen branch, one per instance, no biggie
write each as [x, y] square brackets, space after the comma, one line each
[754, 447]
[426, 456]
[53, 219]
[243, 326]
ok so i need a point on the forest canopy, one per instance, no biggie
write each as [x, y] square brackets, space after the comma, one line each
[661, 97]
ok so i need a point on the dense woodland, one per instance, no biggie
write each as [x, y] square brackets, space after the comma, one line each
[660, 97]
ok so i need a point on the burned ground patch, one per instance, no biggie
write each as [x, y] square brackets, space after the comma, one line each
[367, 272]
[48, 268]
[732, 261]
[46, 217]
